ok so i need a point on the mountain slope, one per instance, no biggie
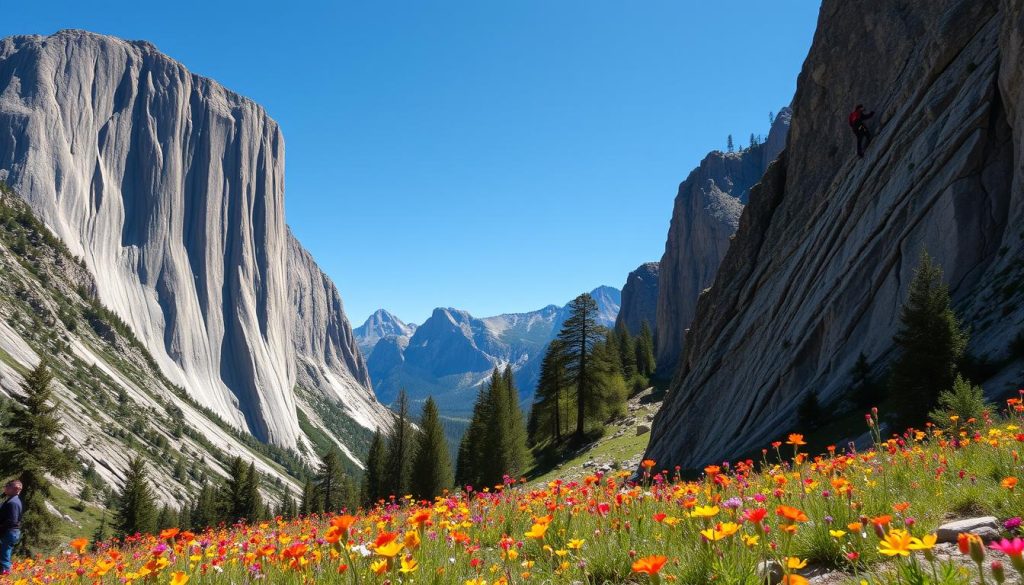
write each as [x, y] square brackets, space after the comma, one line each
[113, 400]
[452, 352]
[171, 188]
[827, 247]
[705, 216]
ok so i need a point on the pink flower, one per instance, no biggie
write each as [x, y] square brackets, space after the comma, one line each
[1011, 548]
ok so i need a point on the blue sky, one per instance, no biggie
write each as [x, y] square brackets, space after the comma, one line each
[491, 156]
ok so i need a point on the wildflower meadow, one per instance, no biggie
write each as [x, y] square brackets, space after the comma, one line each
[871, 513]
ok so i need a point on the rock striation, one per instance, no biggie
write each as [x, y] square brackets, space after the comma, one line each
[705, 216]
[827, 246]
[639, 299]
[171, 189]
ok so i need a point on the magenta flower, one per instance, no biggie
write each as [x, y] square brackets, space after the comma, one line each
[1011, 548]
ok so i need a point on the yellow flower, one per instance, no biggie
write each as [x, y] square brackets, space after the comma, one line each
[537, 531]
[837, 533]
[390, 549]
[751, 540]
[926, 543]
[720, 531]
[409, 564]
[477, 581]
[513, 554]
[704, 512]
[179, 578]
[379, 566]
[795, 563]
[575, 544]
[896, 542]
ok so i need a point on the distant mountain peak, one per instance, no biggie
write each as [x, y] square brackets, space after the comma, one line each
[382, 323]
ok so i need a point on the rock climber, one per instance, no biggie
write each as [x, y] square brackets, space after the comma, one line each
[860, 129]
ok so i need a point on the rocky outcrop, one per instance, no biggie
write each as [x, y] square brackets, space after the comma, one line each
[828, 244]
[171, 188]
[379, 325]
[705, 216]
[639, 299]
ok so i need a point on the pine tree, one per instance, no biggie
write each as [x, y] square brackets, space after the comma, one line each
[233, 493]
[30, 452]
[205, 512]
[373, 477]
[517, 450]
[399, 452]
[185, 518]
[546, 420]
[167, 518]
[468, 470]
[729, 143]
[136, 511]
[579, 334]
[432, 465]
[288, 509]
[495, 448]
[645, 364]
[332, 483]
[930, 344]
[251, 506]
[101, 534]
[310, 503]
[627, 350]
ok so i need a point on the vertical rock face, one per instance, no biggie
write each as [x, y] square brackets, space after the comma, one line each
[171, 188]
[706, 214]
[827, 246]
[639, 298]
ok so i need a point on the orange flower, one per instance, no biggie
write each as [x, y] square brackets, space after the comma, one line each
[420, 518]
[179, 578]
[79, 544]
[650, 565]
[794, 580]
[796, 439]
[790, 514]
[1009, 483]
[882, 520]
[343, 523]
[647, 464]
[169, 533]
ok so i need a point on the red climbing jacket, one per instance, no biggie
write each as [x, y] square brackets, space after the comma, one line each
[856, 117]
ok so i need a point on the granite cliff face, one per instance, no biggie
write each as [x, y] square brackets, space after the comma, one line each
[826, 249]
[705, 216]
[171, 188]
[639, 299]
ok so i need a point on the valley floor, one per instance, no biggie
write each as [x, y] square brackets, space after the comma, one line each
[873, 516]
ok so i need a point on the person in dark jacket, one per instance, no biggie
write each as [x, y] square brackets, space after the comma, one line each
[860, 129]
[10, 524]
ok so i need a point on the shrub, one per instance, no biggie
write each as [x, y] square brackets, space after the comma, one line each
[965, 401]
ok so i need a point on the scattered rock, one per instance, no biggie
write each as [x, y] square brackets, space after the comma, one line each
[642, 429]
[987, 527]
[769, 572]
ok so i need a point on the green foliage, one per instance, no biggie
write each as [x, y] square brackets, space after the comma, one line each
[240, 496]
[30, 453]
[645, 363]
[432, 465]
[965, 401]
[579, 335]
[205, 511]
[136, 510]
[373, 477]
[334, 487]
[495, 443]
[398, 461]
[547, 421]
[930, 343]
[310, 503]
